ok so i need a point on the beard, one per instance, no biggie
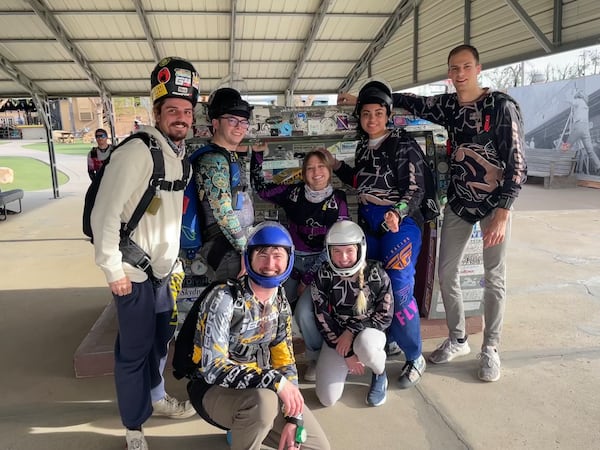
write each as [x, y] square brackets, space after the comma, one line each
[177, 134]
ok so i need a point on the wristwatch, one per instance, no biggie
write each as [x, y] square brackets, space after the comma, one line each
[300, 430]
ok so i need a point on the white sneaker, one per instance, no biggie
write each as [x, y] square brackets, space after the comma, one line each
[448, 350]
[174, 409]
[489, 364]
[136, 440]
[310, 374]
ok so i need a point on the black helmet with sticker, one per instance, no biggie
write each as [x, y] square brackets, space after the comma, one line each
[374, 92]
[174, 77]
[228, 101]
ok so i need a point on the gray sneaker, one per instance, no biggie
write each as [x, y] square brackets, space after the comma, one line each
[448, 350]
[135, 440]
[310, 374]
[412, 372]
[171, 407]
[489, 364]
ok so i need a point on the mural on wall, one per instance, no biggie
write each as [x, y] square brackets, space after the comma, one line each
[565, 116]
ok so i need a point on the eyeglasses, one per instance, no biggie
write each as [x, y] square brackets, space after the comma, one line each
[101, 136]
[235, 122]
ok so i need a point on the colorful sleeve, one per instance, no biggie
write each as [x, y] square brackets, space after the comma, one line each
[270, 192]
[511, 149]
[213, 180]
[212, 342]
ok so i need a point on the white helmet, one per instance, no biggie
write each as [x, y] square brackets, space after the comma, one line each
[346, 232]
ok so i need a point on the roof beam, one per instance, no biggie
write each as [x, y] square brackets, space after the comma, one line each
[531, 26]
[29, 40]
[19, 77]
[310, 39]
[139, 8]
[200, 61]
[232, 38]
[402, 11]
[467, 19]
[557, 22]
[176, 12]
[59, 33]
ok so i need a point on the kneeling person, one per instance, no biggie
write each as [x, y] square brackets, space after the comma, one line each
[247, 372]
[354, 305]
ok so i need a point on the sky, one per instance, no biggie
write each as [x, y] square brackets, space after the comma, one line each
[531, 65]
[559, 58]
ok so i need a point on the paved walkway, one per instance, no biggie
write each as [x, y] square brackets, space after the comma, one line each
[548, 398]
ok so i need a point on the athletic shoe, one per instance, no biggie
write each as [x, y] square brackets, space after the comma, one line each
[136, 440]
[378, 390]
[412, 372]
[392, 348]
[174, 409]
[310, 374]
[448, 350]
[489, 364]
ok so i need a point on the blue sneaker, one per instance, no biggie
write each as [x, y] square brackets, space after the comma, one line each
[378, 390]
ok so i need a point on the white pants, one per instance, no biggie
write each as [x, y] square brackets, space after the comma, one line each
[369, 347]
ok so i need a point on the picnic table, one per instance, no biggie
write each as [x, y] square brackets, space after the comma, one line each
[65, 137]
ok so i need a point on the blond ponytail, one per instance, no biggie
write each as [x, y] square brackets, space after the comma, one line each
[360, 307]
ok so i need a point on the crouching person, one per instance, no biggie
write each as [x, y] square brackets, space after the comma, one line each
[354, 305]
[246, 381]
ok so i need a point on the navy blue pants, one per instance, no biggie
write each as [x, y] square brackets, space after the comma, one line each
[140, 350]
[399, 253]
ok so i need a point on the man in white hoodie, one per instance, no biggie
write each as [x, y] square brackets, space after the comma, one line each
[145, 293]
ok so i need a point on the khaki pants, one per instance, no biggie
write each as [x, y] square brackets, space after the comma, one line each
[254, 418]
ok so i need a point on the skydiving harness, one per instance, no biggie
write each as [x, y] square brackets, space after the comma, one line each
[491, 103]
[132, 253]
[186, 361]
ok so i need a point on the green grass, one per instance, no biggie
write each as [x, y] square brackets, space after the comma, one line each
[30, 174]
[77, 148]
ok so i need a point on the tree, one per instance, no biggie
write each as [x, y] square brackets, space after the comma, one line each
[587, 63]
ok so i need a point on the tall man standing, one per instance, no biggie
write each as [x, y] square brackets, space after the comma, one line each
[145, 291]
[487, 170]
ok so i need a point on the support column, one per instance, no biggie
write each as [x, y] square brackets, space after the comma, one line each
[43, 107]
[109, 112]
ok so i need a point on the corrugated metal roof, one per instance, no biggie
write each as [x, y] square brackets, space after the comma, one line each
[77, 47]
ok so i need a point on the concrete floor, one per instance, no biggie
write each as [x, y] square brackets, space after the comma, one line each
[548, 397]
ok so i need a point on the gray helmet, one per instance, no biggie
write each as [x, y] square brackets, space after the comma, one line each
[346, 232]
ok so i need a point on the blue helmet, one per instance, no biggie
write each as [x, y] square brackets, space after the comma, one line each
[269, 234]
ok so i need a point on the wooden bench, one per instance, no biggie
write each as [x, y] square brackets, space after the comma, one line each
[556, 167]
[7, 197]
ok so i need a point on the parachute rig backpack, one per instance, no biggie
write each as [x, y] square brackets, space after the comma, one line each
[155, 182]
[191, 223]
